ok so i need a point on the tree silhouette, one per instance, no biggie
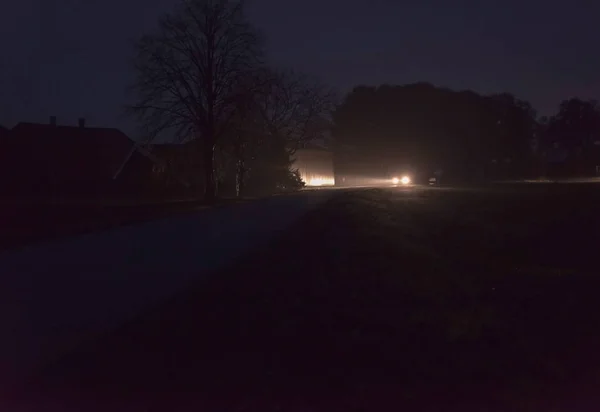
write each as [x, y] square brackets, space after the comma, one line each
[576, 124]
[188, 75]
[280, 112]
[421, 128]
[575, 129]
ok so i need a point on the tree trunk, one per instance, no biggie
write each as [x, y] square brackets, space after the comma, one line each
[210, 187]
[239, 178]
[240, 169]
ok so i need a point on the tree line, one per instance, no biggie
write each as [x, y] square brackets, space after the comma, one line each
[203, 77]
[472, 137]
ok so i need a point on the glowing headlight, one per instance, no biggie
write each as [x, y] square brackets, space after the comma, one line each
[395, 180]
[405, 180]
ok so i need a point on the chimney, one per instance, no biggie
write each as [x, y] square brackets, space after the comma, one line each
[82, 122]
[52, 120]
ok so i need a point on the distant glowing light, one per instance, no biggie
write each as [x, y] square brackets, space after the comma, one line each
[405, 180]
[395, 180]
[320, 181]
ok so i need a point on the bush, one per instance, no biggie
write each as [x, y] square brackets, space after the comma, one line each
[270, 180]
[291, 181]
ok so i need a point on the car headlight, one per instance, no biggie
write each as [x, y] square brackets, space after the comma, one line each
[405, 180]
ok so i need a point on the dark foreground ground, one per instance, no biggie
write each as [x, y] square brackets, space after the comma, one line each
[384, 299]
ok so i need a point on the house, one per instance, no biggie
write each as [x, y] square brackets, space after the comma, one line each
[4, 139]
[41, 160]
[3, 132]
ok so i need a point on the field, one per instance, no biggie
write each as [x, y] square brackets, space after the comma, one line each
[428, 299]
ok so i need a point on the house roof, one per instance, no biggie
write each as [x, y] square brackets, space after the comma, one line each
[93, 152]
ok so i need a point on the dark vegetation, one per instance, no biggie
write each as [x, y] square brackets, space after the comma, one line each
[463, 300]
[419, 128]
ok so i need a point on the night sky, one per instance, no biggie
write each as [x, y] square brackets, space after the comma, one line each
[69, 58]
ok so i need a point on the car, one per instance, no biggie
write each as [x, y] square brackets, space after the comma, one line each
[403, 180]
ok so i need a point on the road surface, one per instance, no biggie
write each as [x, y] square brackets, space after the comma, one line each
[57, 294]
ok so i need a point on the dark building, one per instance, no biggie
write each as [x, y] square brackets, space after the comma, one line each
[3, 132]
[41, 160]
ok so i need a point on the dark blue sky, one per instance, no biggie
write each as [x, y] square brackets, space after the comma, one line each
[69, 58]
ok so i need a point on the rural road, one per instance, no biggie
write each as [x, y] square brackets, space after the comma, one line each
[57, 294]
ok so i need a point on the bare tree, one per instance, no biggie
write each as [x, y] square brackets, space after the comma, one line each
[248, 134]
[245, 140]
[282, 108]
[294, 107]
[189, 73]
